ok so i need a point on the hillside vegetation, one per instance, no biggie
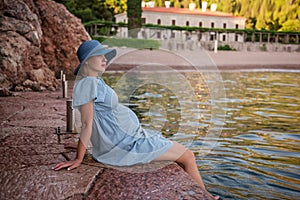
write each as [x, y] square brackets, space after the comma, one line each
[277, 15]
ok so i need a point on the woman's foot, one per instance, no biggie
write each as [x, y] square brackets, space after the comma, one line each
[214, 197]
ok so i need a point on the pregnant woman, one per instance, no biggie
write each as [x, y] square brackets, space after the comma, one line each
[113, 129]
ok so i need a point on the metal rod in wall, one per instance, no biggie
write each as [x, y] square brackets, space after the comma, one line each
[70, 116]
[61, 74]
[65, 89]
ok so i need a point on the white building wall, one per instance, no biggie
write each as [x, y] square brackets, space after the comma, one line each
[181, 19]
[121, 18]
[194, 20]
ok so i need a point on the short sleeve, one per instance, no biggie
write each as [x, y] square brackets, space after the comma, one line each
[101, 91]
[86, 90]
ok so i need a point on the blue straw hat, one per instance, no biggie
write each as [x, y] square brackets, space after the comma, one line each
[91, 48]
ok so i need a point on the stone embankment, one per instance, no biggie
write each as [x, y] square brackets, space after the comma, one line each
[29, 149]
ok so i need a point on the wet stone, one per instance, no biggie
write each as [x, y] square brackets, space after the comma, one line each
[169, 182]
[29, 149]
[17, 157]
[8, 109]
[12, 136]
[41, 182]
[33, 109]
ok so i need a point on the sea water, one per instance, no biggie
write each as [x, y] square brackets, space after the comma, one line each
[256, 153]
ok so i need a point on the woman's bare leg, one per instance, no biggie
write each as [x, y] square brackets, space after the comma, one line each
[186, 159]
[188, 163]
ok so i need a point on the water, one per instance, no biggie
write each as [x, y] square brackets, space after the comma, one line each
[257, 154]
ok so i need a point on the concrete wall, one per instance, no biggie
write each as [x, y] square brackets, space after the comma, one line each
[268, 47]
[246, 46]
[183, 40]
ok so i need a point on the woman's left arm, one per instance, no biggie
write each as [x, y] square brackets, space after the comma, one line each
[87, 113]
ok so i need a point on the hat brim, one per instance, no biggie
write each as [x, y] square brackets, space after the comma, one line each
[108, 53]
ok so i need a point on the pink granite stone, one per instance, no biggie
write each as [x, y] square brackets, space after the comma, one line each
[169, 182]
[29, 149]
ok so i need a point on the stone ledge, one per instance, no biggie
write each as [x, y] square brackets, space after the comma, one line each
[29, 150]
[169, 182]
[41, 182]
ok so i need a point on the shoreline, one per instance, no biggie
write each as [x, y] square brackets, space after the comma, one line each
[128, 59]
[256, 60]
[224, 68]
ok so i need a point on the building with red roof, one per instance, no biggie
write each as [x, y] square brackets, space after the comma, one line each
[170, 16]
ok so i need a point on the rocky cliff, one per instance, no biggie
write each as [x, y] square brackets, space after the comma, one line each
[38, 39]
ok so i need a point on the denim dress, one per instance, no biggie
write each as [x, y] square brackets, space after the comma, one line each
[117, 137]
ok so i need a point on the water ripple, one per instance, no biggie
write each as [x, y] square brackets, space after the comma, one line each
[257, 155]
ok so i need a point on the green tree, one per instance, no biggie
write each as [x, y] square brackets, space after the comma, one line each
[289, 25]
[134, 15]
[265, 14]
[118, 6]
[88, 10]
[251, 23]
[159, 3]
[185, 3]
[177, 4]
[226, 6]
[283, 15]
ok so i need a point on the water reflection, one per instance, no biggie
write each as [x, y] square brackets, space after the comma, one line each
[257, 156]
[158, 108]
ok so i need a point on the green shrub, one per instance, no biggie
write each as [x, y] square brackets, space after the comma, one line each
[226, 47]
[129, 42]
[263, 47]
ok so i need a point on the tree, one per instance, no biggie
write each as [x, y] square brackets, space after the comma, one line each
[260, 14]
[159, 3]
[118, 6]
[134, 15]
[88, 10]
[291, 25]
[185, 3]
[226, 6]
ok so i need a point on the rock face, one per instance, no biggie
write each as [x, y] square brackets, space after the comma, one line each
[38, 38]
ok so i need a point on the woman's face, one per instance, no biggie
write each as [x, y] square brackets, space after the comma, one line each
[96, 65]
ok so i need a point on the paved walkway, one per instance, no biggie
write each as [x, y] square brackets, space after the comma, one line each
[29, 148]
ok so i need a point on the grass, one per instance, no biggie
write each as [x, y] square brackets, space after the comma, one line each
[129, 42]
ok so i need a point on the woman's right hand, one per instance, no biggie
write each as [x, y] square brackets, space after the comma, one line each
[72, 164]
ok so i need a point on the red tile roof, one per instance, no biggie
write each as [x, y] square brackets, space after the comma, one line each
[188, 11]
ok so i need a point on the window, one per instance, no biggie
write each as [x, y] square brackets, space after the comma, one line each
[187, 23]
[211, 37]
[158, 21]
[199, 36]
[224, 25]
[212, 25]
[158, 35]
[172, 34]
[173, 22]
[236, 26]
[143, 20]
[224, 37]
[236, 37]
[200, 24]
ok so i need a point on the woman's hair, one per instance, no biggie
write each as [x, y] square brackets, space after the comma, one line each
[81, 74]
